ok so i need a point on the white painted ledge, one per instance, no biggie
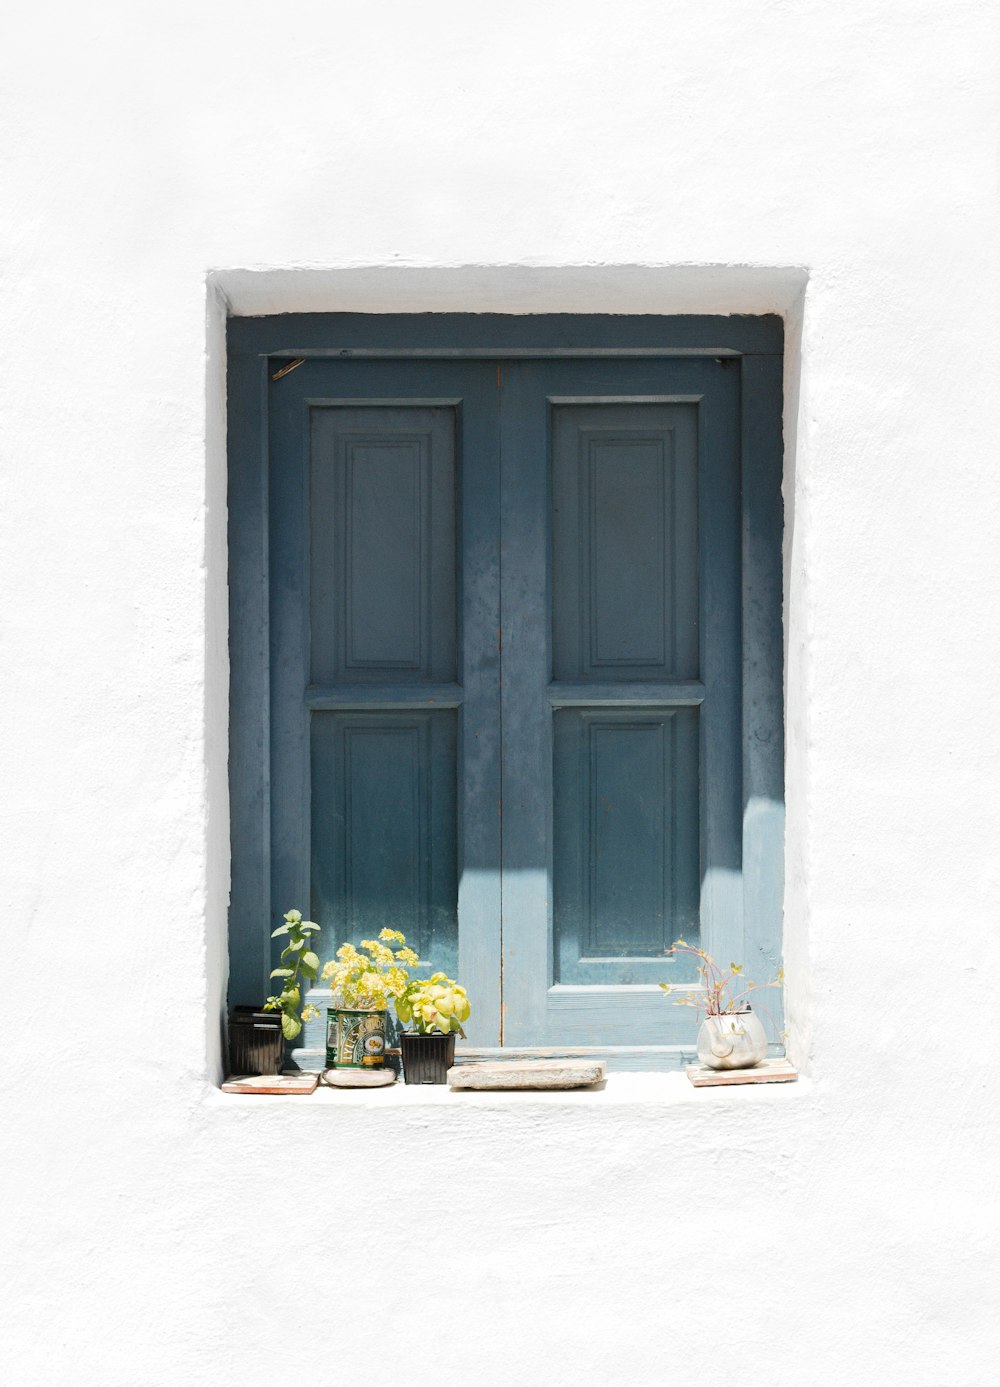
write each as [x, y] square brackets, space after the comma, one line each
[411, 287]
[636, 1091]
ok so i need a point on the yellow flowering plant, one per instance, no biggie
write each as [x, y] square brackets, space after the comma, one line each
[369, 977]
[433, 1004]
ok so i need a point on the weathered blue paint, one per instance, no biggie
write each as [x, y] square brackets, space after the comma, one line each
[494, 335]
[382, 576]
[384, 828]
[395, 667]
[630, 556]
[382, 602]
[626, 849]
[624, 542]
[643, 492]
[249, 698]
[763, 703]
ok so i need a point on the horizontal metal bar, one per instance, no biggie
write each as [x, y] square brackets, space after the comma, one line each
[384, 696]
[687, 693]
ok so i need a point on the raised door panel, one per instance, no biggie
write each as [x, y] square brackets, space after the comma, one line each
[625, 542]
[382, 545]
[626, 841]
[384, 828]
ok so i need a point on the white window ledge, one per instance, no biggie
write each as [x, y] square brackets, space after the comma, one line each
[635, 1091]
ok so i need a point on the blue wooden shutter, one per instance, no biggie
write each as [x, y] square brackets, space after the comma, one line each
[634, 742]
[621, 688]
[385, 660]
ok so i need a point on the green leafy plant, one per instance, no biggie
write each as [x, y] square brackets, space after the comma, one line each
[298, 961]
[370, 977]
[725, 990]
[432, 1004]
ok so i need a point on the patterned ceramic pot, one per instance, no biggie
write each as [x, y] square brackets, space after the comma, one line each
[734, 1041]
[355, 1039]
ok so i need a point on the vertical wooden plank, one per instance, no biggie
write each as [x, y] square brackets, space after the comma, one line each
[525, 712]
[479, 891]
[720, 582]
[249, 693]
[289, 461]
[763, 720]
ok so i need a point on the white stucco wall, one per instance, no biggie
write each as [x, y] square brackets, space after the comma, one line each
[157, 159]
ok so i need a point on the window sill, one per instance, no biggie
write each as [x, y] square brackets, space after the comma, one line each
[634, 1091]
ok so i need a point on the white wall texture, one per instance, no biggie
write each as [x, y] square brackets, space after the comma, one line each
[159, 158]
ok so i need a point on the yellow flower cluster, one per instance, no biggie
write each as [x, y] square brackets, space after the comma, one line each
[372, 978]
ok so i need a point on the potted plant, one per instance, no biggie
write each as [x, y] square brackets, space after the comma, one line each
[298, 961]
[435, 1007]
[730, 1036]
[363, 982]
[256, 1044]
[257, 1034]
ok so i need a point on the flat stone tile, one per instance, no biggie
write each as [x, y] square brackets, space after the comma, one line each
[529, 1074]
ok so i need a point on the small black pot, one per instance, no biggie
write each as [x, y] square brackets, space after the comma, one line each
[256, 1044]
[427, 1058]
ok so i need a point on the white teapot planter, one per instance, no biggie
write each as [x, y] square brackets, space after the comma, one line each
[736, 1040]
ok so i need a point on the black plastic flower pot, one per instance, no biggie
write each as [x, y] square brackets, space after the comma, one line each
[256, 1044]
[427, 1058]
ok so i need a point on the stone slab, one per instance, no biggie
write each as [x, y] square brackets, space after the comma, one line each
[776, 1071]
[528, 1074]
[359, 1078]
[271, 1083]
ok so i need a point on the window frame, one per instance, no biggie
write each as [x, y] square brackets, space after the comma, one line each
[260, 347]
